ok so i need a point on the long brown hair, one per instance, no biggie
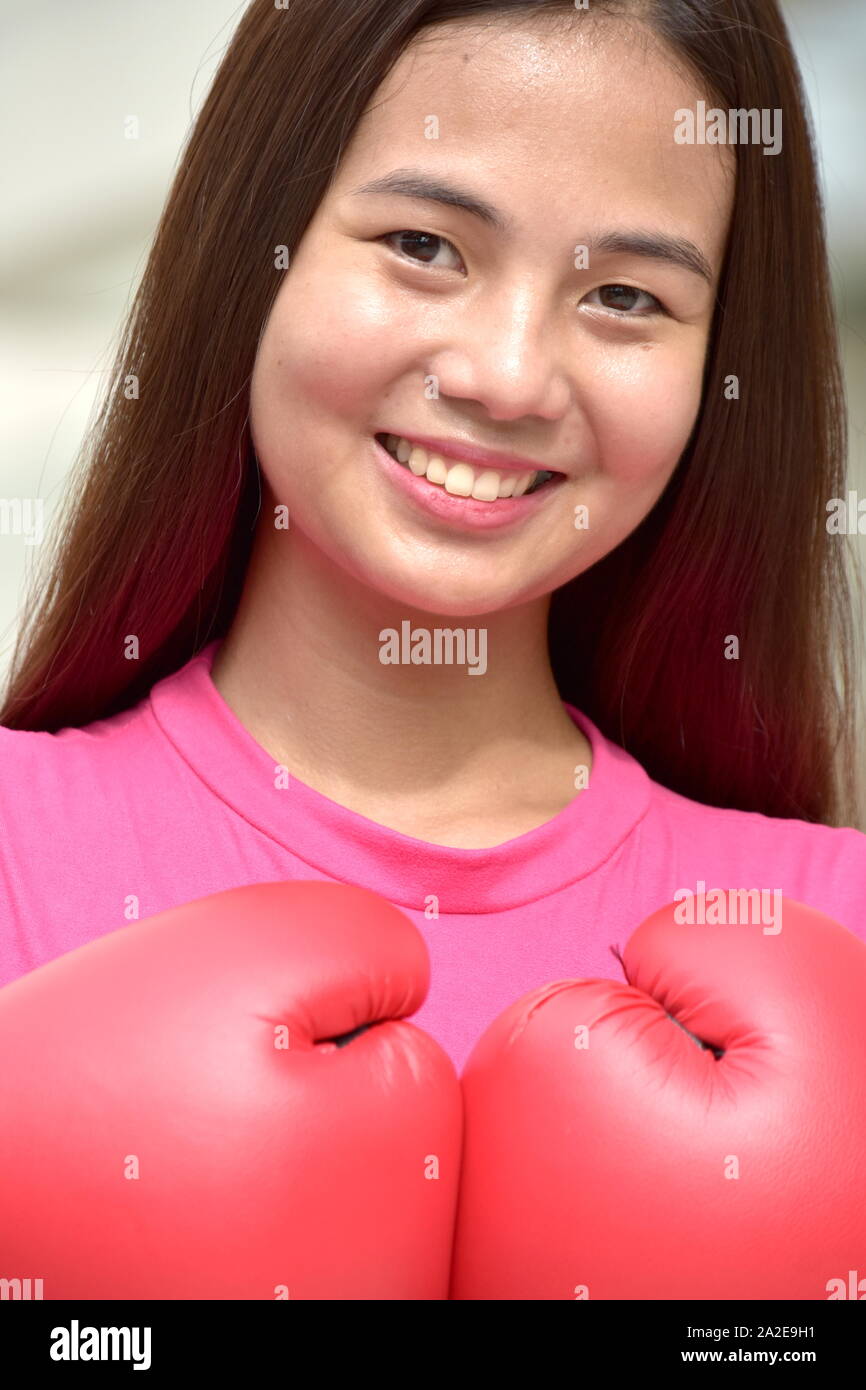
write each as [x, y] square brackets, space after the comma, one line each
[157, 538]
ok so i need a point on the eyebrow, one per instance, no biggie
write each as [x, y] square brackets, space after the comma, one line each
[651, 245]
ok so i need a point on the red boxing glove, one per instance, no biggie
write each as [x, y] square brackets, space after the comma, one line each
[174, 1126]
[608, 1155]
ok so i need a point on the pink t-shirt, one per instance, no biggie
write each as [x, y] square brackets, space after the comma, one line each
[173, 800]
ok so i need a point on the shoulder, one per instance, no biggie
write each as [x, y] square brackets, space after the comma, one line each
[55, 787]
[33, 759]
[820, 865]
[68, 812]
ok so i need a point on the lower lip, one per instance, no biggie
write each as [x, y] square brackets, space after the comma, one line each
[466, 512]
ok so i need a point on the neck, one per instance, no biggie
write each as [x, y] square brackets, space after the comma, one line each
[301, 669]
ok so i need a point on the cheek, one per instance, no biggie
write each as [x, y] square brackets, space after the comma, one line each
[329, 342]
[643, 406]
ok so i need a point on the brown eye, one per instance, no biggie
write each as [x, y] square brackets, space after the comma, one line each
[427, 244]
[626, 298]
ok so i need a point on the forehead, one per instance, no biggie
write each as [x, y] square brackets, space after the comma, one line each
[559, 124]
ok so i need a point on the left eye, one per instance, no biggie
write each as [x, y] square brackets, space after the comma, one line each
[427, 242]
[622, 298]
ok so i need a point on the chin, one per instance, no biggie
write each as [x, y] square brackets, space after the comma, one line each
[457, 601]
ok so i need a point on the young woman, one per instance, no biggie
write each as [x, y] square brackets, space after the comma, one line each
[455, 524]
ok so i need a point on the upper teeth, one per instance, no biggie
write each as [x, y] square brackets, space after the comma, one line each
[461, 479]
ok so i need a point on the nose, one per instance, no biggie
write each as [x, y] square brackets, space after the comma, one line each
[506, 353]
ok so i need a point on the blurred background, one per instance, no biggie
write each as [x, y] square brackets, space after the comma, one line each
[82, 203]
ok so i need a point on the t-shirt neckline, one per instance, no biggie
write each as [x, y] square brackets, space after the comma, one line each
[339, 843]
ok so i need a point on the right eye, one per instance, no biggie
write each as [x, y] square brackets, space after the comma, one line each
[427, 242]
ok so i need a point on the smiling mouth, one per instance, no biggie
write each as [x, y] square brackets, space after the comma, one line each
[464, 479]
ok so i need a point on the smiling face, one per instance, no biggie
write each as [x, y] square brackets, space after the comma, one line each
[488, 328]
